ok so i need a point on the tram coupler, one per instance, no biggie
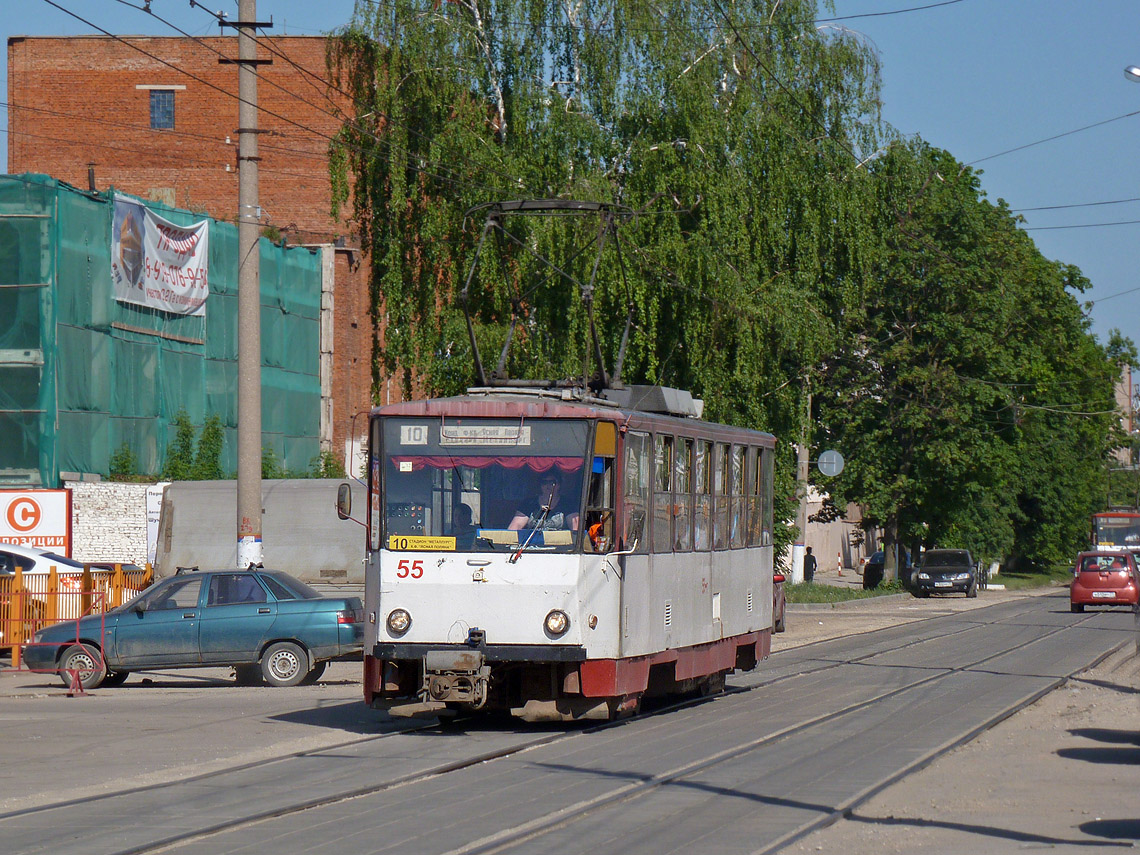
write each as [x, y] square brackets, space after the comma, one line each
[459, 676]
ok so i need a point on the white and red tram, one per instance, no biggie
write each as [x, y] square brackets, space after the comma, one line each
[654, 575]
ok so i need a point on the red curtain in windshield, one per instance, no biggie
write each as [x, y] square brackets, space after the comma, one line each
[535, 464]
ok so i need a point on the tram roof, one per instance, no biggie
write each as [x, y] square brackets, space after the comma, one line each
[563, 403]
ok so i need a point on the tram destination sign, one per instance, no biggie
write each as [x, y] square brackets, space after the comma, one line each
[452, 435]
[484, 435]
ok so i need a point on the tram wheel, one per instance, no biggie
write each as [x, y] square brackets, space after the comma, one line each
[712, 684]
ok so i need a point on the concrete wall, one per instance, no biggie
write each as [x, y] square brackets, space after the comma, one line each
[301, 533]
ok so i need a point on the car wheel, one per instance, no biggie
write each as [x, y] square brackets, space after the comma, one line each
[779, 625]
[87, 660]
[315, 674]
[116, 678]
[1076, 607]
[247, 675]
[284, 664]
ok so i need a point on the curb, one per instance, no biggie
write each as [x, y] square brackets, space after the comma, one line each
[847, 604]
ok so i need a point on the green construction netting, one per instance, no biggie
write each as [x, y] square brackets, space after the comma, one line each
[81, 374]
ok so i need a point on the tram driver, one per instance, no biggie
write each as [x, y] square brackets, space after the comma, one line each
[547, 513]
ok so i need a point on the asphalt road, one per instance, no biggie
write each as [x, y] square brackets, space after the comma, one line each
[191, 764]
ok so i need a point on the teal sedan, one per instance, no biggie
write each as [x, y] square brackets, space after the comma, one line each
[264, 623]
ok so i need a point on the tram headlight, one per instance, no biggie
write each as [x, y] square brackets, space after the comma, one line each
[557, 622]
[399, 621]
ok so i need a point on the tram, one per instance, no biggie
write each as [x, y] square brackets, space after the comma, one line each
[1116, 528]
[560, 555]
[560, 550]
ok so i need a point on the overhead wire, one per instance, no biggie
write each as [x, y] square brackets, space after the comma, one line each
[730, 22]
[262, 109]
[266, 42]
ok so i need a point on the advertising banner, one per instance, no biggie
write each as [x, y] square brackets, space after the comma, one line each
[156, 263]
[40, 518]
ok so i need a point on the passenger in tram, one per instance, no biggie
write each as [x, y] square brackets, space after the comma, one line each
[547, 513]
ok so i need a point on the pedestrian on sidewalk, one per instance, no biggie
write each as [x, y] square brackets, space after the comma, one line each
[809, 565]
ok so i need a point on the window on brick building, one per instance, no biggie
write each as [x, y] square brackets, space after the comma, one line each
[162, 109]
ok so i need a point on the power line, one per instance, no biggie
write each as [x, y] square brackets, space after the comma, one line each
[228, 94]
[1079, 226]
[1054, 137]
[267, 43]
[1075, 205]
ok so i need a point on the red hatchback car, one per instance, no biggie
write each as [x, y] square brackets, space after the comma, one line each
[1104, 579]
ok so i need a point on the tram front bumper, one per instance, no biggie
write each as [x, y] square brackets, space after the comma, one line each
[396, 651]
[455, 675]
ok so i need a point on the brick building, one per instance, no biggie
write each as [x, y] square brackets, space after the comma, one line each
[157, 117]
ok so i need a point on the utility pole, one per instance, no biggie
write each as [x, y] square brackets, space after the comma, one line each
[801, 494]
[249, 549]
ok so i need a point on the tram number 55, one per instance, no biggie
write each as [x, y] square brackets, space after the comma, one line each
[404, 569]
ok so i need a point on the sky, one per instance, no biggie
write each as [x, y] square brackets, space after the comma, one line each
[974, 77]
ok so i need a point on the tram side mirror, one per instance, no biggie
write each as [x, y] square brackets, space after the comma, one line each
[344, 501]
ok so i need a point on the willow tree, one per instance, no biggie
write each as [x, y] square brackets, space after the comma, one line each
[734, 131]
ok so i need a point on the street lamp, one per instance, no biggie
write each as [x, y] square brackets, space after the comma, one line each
[1132, 72]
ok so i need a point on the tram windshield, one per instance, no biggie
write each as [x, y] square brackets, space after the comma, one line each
[1116, 530]
[479, 484]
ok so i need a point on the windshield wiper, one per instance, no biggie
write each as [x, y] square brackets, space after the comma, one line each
[530, 537]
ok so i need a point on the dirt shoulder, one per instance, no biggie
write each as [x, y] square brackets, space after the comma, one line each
[1062, 774]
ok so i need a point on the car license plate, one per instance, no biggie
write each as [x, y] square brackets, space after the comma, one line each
[1110, 595]
[943, 584]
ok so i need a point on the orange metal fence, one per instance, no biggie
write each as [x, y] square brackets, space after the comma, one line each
[29, 601]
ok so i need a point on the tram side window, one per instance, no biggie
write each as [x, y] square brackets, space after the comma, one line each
[702, 511]
[752, 497]
[662, 493]
[765, 487]
[720, 491]
[736, 491]
[635, 493]
[682, 497]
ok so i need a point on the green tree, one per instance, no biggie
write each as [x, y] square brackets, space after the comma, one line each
[954, 392]
[208, 459]
[783, 244]
[271, 466]
[179, 462]
[327, 465]
[123, 464]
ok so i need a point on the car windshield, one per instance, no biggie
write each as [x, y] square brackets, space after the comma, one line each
[285, 587]
[945, 559]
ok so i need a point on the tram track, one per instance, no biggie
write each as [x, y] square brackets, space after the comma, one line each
[639, 789]
[364, 740]
[627, 793]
